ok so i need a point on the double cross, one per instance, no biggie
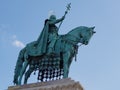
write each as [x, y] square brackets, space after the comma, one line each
[68, 9]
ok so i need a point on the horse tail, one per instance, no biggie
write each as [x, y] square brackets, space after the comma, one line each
[18, 66]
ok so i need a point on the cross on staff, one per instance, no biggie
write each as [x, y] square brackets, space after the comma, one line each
[68, 9]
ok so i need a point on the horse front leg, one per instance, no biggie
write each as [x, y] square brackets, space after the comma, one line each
[22, 71]
[65, 64]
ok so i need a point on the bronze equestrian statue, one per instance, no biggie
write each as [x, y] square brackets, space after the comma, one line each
[51, 54]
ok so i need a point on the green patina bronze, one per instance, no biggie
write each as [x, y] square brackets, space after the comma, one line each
[51, 52]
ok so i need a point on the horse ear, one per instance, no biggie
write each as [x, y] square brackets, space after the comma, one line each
[93, 29]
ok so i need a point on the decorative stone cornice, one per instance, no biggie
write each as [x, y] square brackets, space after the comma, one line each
[63, 84]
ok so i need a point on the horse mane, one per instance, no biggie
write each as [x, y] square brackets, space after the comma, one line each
[79, 27]
[71, 35]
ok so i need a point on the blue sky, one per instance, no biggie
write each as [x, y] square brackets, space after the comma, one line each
[98, 64]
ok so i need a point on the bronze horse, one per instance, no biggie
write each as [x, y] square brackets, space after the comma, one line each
[65, 48]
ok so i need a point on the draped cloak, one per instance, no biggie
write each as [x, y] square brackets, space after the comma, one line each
[39, 47]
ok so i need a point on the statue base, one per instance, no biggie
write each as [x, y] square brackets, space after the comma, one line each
[63, 84]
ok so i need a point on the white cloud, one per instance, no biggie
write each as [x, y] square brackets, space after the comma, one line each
[6, 37]
[18, 44]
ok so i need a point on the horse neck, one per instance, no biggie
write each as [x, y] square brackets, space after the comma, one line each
[75, 32]
[71, 38]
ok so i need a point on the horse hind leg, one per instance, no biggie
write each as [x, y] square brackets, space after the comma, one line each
[18, 66]
[27, 74]
[22, 71]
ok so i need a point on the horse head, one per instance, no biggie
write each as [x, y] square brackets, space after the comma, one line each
[81, 34]
[86, 34]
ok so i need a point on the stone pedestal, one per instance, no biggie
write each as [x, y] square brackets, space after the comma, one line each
[63, 84]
